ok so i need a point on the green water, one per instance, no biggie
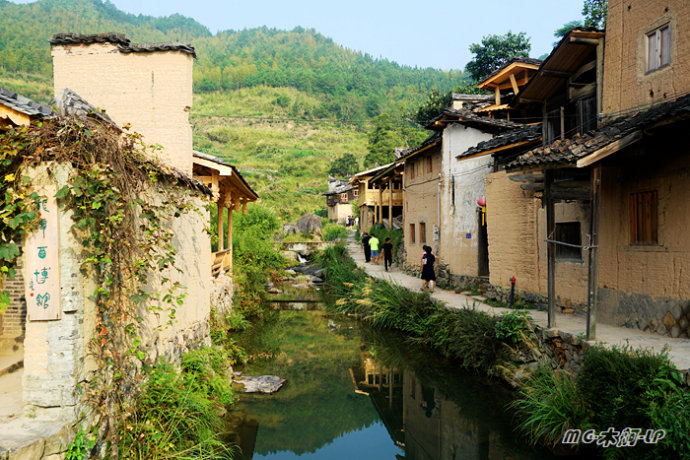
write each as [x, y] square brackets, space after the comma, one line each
[353, 393]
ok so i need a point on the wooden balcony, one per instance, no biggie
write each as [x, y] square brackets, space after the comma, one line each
[222, 261]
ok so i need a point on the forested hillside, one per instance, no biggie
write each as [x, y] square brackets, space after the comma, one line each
[351, 84]
[281, 105]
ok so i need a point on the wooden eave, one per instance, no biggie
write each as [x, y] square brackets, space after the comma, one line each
[518, 70]
[225, 177]
[575, 50]
[494, 108]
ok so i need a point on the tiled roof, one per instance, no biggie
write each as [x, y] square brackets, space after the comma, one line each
[222, 162]
[70, 104]
[568, 151]
[435, 137]
[23, 104]
[122, 42]
[528, 133]
[464, 115]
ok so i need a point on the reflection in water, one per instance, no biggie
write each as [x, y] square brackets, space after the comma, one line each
[359, 394]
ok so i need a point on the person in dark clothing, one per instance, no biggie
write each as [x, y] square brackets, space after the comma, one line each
[365, 246]
[387, 248]
[427, 268]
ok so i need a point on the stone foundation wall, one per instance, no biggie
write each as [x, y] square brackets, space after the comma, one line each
[661, 315]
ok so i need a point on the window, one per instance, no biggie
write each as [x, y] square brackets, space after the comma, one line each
[412, 169]
[429, 165]
[586, 114]
[658, 50]
[553, 126]
[568, 232]
[422, 232]
[412, 233]
[355, 193]
[644, 218]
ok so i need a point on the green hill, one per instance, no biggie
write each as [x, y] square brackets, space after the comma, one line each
[281, 105]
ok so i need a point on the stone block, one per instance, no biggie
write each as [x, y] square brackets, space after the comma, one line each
[683, 323]
[33, 451]
[677, 312]
[668, 321]
[675, 331]
[58, 442]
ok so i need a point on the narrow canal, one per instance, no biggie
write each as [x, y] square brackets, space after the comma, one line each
[354, 393]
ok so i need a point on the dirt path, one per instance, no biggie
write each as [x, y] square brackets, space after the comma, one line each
[574, 324]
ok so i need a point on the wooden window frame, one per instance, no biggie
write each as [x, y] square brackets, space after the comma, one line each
[654, 58]
[412, 235]
[429, 164]
[568, 253]
[644, 218]
[411, 169]
[422, 232]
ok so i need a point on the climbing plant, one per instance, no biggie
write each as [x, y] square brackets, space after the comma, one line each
[121, 204]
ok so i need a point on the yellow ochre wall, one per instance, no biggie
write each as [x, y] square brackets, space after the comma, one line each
[151, 91]
[625, 83]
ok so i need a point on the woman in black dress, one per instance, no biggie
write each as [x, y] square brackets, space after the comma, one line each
[427, 267]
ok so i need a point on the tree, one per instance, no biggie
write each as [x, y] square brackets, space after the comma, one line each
[382, 141]
[494, 51]
[565, 28]
[434, 104]
[595, 12]
[344, 166]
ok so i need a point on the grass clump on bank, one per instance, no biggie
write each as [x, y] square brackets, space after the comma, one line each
[618, 387]
[476, 339]
[179, 413]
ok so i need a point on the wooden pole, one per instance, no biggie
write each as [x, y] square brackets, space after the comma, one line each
[228, 257]
[221, 246]
[550, 248]
[380, 204]
[390, 203]
[593, 254]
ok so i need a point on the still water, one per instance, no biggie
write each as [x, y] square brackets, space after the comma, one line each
[354, 393]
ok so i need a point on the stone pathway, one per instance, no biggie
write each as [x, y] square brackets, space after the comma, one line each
[573, 324]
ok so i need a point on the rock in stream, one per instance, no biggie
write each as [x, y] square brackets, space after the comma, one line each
[266, 384]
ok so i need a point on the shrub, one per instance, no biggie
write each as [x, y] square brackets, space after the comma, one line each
[333, 232]
[512, 325]
[615, 382]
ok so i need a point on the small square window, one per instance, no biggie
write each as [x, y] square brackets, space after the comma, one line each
[658, 48]
[644, 221]
[568, 232]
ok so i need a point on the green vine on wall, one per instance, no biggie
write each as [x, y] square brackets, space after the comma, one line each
[121, 204]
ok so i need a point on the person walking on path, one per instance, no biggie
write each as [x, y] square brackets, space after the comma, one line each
[427, 268]
[387, 248]
[374, 245]
[366, 247]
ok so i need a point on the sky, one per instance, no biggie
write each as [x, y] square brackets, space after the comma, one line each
[415, 33]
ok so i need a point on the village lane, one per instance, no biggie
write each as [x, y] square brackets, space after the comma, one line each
[573, 324]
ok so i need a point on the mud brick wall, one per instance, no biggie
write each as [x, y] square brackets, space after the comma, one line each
[13, 322]
[626, 83]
